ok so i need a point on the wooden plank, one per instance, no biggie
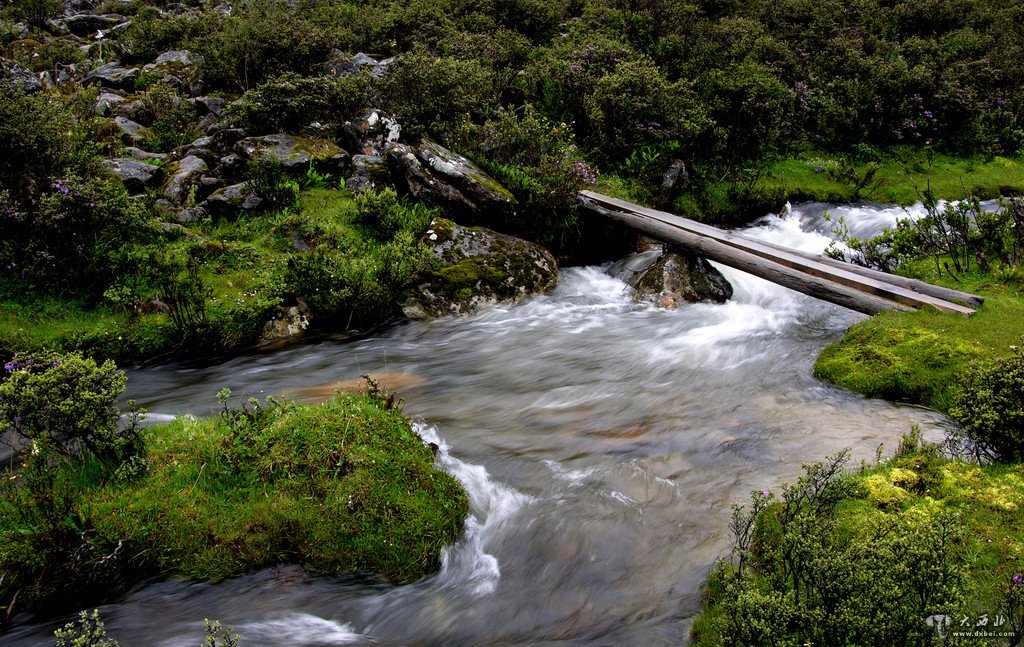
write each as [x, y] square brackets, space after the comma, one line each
[843, 273]
[758, 266]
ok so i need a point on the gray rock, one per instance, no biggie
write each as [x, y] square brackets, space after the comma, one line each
[295, 153]
[75, 7]
[19, 31]
[183, 177]
[207, 186]
[182, 57]
[192, 215]
[290, 326]
[341, 64]
[434, 174]
[112, 75]
[67, 73]
[86, 24]
[106, 102]
[232, 165]
[15, 76]
[368, 172]
[210, 105]
[480, 268]
[140, 154]
[133, 131]
[675, 181]
[233, 199]
[669, 278]
[372, 133]
[135, 175]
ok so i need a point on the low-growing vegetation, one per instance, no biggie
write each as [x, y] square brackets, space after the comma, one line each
[897, 554]
[90, 504]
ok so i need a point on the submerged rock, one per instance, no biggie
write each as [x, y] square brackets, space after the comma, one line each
[669, 278]
[482, 268]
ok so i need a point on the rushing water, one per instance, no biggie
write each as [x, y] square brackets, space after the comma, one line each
[602, 443]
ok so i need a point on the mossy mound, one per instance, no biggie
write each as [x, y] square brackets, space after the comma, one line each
[343, 486]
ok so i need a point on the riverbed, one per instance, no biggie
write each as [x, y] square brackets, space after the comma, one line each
[602, 443]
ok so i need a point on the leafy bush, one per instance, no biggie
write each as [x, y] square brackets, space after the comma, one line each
[290, 102]
[989, 408]
[87, 223]
[172, 118]
[802, 577]
[87, 631]
[67, 405]
[271, 183]
[432, 94]
[260, 40]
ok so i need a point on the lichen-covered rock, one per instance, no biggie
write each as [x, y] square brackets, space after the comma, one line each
[135, 175]
[671, 278]
[295, 152]
[112, 75]
[183, 178]
[480, 268]
[435, 174]
[133, 131]
[15, 76]
[371, 134]
[368, 172]
[230, 200]
[290, 326]
[85, 24]
[106, 102]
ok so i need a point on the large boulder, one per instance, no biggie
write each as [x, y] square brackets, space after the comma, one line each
[112, 75]
[371, 134]
[669, 278]
[231, 200]
[183, 179]
[480, 268]
[436, 175]
[86, 24]
[15, 76]
[295, 152]
[133, 131]
[135, 175]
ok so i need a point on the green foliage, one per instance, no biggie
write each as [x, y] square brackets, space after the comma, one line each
[430, 94]
[87, 631]
[269, 181]
[67, 405]
[172, 118]
[385, 215]
[989, 407]
[290, 102]
[34, 12]
[219, 636]
[261, 40]
[805, 576]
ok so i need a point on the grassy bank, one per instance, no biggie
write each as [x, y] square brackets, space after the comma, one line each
[875, 553]
[897, 177]
[916, 356]
[338, 487]
[230, 276]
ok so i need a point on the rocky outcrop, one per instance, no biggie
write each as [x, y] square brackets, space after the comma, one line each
[371, 134]
[295, 153]
[436, 175]
[670, 278]
[232, 199]
[481, 268]
[135, 175]
[133, 131]
[290, 326]
[341, 64]
[368, 172]
[86, 24]
[15, 76]
[112, 75]
[183, 178]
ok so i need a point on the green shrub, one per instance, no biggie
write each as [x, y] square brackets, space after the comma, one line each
[290, 102]
[270, 182]
[87, 631]
[172, 118]
[430, 95]
[803, 577]
[67, 405]
[989, 408]
[260, 40]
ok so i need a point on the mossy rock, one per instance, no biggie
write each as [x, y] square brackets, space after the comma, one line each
[479, 268]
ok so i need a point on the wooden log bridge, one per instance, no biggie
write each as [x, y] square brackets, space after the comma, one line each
[851, 286]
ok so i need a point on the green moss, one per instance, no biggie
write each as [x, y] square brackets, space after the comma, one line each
[915, 356]
[949, 177]
[468, 272]
[339, 487]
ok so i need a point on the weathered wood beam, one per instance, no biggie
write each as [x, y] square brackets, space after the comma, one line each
[751, 263]
[900, 289]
